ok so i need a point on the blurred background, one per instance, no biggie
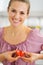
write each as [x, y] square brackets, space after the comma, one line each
[35, 19]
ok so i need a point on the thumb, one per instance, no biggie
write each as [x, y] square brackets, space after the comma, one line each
[13, 51]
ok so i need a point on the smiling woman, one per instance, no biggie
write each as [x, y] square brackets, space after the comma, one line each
[19, 37]
[17, 13]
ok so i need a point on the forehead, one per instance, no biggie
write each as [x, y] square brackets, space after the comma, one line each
[19, 5]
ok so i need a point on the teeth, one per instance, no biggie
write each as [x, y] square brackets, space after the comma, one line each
[16, 21]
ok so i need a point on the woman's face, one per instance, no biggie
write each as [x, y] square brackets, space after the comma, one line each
[17, 13]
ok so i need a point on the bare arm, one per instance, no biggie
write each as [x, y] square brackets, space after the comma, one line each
[2, 58]
[40, 56]
[31, 57]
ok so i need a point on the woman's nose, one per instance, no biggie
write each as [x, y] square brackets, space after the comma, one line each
[17, 15]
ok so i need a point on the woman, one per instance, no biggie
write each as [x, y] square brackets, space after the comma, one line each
[19, 37]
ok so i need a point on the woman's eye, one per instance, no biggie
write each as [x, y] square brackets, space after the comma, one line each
[13, 11]
[22, 12]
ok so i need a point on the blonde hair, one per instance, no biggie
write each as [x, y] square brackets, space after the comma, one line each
[25, 1]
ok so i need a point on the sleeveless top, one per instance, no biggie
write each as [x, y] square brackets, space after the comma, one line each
[33, 43]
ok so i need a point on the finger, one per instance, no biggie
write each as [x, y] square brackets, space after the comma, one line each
[17, 58]
[13, 51]
[13, 59]
[29, 53]
[27, 60]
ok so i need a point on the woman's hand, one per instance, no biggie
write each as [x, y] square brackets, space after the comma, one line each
[30, 57]
[8, 56]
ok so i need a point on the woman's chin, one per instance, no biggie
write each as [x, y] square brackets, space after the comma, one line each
[16, 25]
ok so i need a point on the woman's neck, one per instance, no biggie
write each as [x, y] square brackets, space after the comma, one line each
[17, 30]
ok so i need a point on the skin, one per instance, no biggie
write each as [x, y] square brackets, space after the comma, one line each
[17, 13]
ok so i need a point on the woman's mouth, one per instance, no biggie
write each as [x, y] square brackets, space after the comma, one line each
[15, 22]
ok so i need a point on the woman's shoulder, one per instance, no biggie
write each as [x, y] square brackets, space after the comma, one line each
[3, 29]
[6, 29]
[1, 32]
[33, 31]
[28, 29]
